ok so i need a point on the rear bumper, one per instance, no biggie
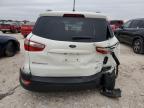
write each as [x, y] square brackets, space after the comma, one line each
[36, 83]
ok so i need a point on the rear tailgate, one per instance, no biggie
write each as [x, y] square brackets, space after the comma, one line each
[58, 59]
[70, 45]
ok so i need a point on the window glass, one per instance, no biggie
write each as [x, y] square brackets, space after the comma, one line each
[141, 24]
[127, 24]
[65, 28]
[134, 24]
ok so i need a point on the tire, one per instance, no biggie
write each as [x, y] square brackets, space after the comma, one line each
[138, 46]
[10, 49]
[19, 31]
[3, 31]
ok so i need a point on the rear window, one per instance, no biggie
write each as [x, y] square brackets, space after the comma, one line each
[72, 29]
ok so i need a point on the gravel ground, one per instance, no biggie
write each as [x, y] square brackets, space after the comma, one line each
[130, 80]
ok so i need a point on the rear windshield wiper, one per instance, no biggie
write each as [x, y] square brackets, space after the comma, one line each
[81, 37]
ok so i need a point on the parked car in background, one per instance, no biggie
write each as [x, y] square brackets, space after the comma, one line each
[132, 33]
[1, 22]
[70, 50]
[10, 26]
[9, 46]
[116, 24]
[27, 28]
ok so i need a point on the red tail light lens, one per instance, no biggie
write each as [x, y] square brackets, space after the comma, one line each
[102, 50]
[33, 46]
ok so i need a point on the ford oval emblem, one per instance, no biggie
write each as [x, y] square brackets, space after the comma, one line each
[72, 46]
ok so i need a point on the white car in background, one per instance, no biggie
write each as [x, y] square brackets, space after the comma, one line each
[70, 50]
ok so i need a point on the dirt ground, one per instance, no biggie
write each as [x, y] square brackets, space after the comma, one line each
[130, 80]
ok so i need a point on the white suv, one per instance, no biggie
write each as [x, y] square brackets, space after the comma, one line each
[69, 50]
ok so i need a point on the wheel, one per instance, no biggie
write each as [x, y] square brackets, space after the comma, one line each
[138, 46]
[19, 31]
[10, 49]
[4, 31]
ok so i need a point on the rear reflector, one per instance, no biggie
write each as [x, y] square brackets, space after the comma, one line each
[33, 46]
[74, 15]
[26, 82]
[102, 50]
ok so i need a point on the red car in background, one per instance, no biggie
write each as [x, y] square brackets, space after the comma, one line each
[10, 26]
[27, 28]
[116, 24]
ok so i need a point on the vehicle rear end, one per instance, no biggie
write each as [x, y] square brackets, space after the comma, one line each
[26, 29]
[69, 49]
[5, 27]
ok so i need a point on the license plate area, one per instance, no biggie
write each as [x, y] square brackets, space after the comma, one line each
[71, 58]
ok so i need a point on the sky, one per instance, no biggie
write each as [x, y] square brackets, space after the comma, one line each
[30, 9]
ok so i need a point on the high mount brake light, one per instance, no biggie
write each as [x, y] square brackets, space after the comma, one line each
[33, 46]
[103, 50]
[74, 15]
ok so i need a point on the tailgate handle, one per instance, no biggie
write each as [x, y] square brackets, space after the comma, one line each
[72, 46]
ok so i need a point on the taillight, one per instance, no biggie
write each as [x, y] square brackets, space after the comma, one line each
[33, 46]
[102, 50]
[74, 15]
